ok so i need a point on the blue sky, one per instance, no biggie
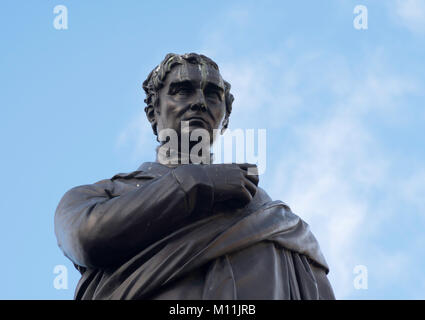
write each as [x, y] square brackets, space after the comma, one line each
[343, 109]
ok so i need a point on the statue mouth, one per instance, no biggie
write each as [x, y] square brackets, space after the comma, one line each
[198, 121]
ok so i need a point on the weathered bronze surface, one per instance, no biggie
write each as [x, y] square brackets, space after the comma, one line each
[188, 231]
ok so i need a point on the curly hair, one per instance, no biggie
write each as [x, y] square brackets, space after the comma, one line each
[155, 81]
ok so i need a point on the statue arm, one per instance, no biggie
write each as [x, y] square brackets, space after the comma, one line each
[96, 230]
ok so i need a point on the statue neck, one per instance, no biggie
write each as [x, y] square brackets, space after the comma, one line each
[174, 158]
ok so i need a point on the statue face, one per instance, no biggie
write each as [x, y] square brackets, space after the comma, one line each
[193, 93]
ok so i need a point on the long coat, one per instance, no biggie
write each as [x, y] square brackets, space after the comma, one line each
[141, 235]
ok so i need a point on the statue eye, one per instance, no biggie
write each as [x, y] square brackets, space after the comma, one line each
[213, 94]
[182, 91]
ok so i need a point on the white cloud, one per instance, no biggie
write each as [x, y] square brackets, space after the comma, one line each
[328, 178]
[335, 161]
[412, 190]
[410, 14]
[320, 181]
[256, 87]
[137, 141]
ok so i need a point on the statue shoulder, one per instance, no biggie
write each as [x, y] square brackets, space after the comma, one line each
[117, 184]
[86, 191]
[262, 197]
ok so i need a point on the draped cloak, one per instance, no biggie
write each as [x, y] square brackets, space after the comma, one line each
[260, 251]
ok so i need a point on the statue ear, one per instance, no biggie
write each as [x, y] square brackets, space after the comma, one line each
[224, 124]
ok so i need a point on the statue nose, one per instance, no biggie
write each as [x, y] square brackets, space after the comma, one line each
[199, 104]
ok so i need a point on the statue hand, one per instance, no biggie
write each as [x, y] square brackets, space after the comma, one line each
[232, 183]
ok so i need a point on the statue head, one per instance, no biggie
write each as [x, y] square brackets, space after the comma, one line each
[187, 87]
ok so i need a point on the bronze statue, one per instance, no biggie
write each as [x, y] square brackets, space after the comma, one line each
[183, 230]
